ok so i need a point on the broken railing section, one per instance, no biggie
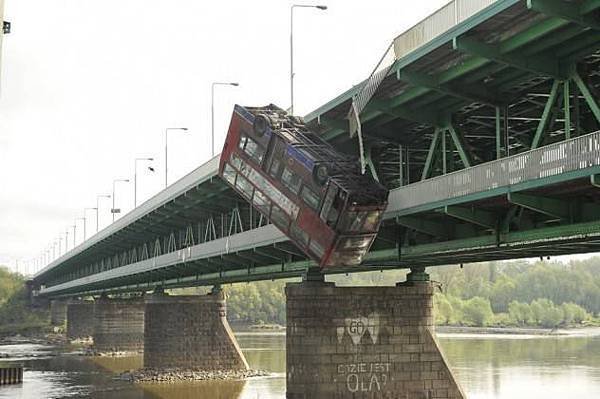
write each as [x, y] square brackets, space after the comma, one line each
[238, 220]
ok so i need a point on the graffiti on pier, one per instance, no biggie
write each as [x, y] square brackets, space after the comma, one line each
[358, 326]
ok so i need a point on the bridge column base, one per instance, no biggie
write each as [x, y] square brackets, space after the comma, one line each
[190, 332]
[80, 319]
[119, 325]
[364, 342]
[58, 312]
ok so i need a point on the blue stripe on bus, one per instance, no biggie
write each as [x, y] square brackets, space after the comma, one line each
[244, 113]
[247, 115]
[300, 157]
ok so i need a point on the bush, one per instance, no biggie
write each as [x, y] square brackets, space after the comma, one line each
[520, 313]
[444, 312]
[477, 311]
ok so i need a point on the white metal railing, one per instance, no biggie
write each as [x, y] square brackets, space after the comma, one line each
[566, 156]
[437, 23]
[420, 34]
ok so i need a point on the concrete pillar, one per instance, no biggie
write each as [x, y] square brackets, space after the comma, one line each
[190, 332]
[80, 319]
[58, 312]
[119, 325]
[364, 342]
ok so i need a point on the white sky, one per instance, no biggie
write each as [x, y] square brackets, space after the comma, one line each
[88, 85]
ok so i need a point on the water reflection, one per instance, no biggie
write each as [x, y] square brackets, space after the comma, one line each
[488, 367]
[502, 367]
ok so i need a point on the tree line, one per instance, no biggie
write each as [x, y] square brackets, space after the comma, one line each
[16, 314]
[516, 293]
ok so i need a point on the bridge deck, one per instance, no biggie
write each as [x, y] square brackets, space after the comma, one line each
[478, 128]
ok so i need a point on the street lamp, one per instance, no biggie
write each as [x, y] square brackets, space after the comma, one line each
[212, 111]
[88, 209]
[319, 7]
[98, 207]
[150, 168]
[84, 222]
[67, 240]
[114, 210]
[184, 129]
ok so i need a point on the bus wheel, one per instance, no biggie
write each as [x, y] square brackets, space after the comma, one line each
[260, 125]
[321, 174]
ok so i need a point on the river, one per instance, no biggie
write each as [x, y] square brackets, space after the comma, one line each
[487, 366]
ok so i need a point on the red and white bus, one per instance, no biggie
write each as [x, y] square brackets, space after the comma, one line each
[316, 196]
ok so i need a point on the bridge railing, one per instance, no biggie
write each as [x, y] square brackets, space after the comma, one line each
[436, 24]
[566, 156]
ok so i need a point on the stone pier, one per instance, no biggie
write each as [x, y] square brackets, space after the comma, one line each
[80, 319]
[190, 332]
[58, 312]
[364, 342]
[119, 325]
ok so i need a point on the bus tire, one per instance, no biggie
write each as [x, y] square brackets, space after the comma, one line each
[260, 125]
[321, 174]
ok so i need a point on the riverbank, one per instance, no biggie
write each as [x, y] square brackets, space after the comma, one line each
[520, 331]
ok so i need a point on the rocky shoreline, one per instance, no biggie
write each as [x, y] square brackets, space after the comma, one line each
[173, 375]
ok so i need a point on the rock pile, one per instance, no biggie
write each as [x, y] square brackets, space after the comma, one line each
[178, 375]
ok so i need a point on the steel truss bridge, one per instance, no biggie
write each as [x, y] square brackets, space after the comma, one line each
[485, 125]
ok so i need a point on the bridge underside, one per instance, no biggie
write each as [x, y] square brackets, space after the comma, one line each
[485, 136]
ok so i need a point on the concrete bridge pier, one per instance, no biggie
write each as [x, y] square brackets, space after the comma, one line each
[80, 319]
[190, 332]
[58, 312]
[365, 342]
[119, 325]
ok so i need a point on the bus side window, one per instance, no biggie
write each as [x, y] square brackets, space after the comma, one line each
[291, 180]
[274, 171]
[252, 148]
[336, 209]
[275, 157]
[328, 201]
[310, 197]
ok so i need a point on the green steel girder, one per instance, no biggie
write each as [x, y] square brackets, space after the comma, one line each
[459, 142]
[431, 154]
[537, 138]
[595, 180]
[518, 41]
[588, 6]
[266, 254]
[468, 93]
[542, 241]
[548, 206]
[405, 113]
[422, 225]
[574, 50]
[563, 10]
[589, 98]
[479, 217]
[534, 64]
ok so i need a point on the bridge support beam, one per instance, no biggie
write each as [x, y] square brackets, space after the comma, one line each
[118, 325]
[190, 332]
[80, 319]
[58, 312]
[375, 342]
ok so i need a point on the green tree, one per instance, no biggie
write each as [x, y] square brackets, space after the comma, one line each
[477, 311]
[520, 313]
[444, 312]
